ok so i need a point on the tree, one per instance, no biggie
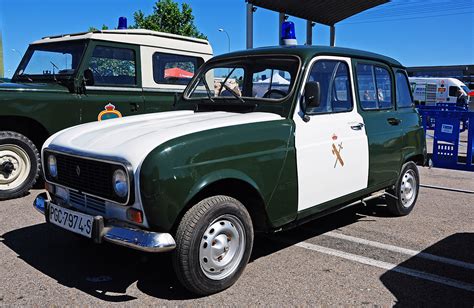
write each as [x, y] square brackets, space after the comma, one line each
[167, 17]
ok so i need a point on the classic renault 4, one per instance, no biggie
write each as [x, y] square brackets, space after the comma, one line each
[261, 140]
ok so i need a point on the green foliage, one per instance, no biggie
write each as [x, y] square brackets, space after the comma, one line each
[92, 29]
[167, 17]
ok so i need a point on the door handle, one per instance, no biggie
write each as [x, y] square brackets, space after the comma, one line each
[134, 107]
[393, 121]
[357, 126]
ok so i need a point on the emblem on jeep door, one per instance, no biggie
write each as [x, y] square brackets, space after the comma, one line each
[109, 113]
[336, 151]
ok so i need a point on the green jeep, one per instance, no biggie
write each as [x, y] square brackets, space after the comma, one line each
[71, 79]
[262, 140]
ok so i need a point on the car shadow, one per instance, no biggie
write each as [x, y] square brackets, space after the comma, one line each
[457, 282]
[106, 271]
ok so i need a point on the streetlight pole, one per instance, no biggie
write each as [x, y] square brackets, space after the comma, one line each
[228, 37]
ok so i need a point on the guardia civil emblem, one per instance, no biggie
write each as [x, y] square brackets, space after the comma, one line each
[109, 113]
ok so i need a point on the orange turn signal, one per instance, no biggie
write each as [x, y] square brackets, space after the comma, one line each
[135, 215]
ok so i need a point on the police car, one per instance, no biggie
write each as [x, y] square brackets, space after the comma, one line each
[333, 127]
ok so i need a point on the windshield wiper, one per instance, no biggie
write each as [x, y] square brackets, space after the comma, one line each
[26, 76]
[233, 93]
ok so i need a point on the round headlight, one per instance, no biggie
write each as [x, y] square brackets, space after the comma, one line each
[52, 166]
[120, 182]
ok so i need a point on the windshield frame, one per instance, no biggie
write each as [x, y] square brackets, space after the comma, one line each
[51, 77]
[211, 64]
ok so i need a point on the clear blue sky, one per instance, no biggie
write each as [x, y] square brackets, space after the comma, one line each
[415, 32]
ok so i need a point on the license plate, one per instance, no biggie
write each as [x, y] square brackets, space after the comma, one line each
[71, 220]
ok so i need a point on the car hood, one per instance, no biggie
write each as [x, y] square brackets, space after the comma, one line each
[132, 138]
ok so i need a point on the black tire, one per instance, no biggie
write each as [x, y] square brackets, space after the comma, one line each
[18, 143]
[191, 242]
[409, 179]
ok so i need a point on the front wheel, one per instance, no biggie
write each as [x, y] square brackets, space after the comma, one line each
[406, 190]
[19, 165]
[213, 245]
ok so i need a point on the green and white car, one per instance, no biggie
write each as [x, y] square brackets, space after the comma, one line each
[261, 140]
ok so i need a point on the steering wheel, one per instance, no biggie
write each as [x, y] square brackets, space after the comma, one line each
[274, 93]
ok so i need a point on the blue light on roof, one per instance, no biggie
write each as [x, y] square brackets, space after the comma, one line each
[122, 23]
[288, 35]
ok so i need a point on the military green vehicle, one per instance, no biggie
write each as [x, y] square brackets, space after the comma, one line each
[71, 79]
[286, 135]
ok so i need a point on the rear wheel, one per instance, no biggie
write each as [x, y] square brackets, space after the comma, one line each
[406, 190]
[19, 165]
[213, 245]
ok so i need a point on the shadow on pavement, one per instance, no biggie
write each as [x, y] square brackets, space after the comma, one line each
[419, 292]
[106, 271]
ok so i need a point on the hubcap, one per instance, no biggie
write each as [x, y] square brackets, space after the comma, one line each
[15, 166]
[222, 247]
[408, 189]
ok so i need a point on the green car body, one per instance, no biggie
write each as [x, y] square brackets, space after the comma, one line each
[310, 145]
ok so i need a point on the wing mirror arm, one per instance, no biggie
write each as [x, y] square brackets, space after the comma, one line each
[311, 98]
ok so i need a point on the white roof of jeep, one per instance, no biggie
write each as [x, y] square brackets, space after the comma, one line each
[137, 37]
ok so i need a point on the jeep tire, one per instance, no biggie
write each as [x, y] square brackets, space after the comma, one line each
[406, 190]
[19, 165]
[213, 245]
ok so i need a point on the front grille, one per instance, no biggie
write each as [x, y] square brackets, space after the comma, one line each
[85, 175]
[86, 203]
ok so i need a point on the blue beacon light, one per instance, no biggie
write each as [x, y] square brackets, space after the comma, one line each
[288, 35]
[122, 24]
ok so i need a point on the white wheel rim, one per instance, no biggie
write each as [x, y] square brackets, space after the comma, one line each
[15, 156]
[222, 247]
[408, 189]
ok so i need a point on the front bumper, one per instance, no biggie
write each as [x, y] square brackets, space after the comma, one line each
[125, 236]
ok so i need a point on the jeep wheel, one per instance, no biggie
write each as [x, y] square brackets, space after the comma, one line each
[19, 165]
[406, 190]
[213, 245]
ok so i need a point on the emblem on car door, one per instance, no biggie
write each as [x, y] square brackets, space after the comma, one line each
[336, 151]
[109, 112]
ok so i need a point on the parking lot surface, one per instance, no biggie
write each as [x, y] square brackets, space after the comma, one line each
[358, 256]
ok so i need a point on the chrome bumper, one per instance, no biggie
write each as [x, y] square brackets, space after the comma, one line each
[129, 237]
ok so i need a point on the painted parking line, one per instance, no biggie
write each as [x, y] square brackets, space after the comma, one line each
[401, 250]
[388, 266]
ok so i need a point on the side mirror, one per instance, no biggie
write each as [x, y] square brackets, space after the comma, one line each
[89, 77]
[312, 94]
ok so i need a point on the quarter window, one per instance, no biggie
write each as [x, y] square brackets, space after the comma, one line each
[453, 91]
[375, 87]
[404, 98]
[113, 66]
[174, 69]
[334, 82]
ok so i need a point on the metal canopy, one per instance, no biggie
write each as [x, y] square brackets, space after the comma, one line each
[327, 12]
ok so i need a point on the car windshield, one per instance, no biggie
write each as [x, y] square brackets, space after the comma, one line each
[255, 78]
[47, 61]
[466, 89]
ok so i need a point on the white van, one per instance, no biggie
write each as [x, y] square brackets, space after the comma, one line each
[429, 91]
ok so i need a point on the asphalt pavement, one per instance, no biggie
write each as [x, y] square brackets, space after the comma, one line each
[359, 256]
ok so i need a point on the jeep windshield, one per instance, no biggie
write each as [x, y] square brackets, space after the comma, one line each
[246, 81]
[51, 61]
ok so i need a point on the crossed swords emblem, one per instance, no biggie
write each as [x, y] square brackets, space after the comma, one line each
[337, 152]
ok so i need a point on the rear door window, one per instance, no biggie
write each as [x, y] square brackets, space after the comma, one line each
[375, 87]
[174, 69]
[404, 98]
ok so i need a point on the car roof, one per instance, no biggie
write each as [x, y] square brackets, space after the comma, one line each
[136, 37]
[308, 52]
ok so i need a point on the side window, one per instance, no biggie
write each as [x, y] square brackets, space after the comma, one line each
[113, 66]
[334, 82]
[453, 91]
[174, 69]
[375, 87]
[404, 98]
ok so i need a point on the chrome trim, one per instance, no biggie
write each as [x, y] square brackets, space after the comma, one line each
[139, 239]
[165, 90]
[119, 161]
[111, 88]
[133, 238]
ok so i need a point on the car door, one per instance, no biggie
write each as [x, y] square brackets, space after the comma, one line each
[375, 95]
[113, 82]
[331, 143]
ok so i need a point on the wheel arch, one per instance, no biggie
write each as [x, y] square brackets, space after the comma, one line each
[241, 188]
[28, 127]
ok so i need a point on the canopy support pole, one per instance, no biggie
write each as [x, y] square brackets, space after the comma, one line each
[333, 36]
[250, 10]
[309, 32]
